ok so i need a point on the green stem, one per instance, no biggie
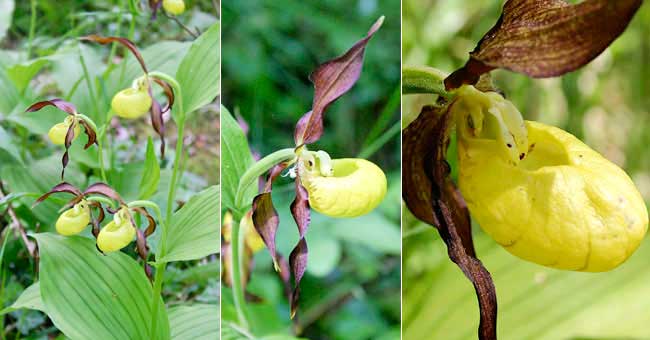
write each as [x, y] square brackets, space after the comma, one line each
[160, 253]
[258, 169]
[237, 257]
[32, 28]
[424, 80]
[91, 91]
[383, 139]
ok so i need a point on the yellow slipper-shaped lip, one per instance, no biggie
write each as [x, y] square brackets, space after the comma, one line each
[174, 7]
[356, 187]
[73, 220]
[131, 103]
[116, 235]
[58, 132]
[563, 206]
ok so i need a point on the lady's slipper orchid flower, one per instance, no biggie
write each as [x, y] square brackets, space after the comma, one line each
[563, 205]
[115, 235]
[320, 183]
[66, 132]
[118, 233]
[58, 132]
[135, 101]
[74, 220]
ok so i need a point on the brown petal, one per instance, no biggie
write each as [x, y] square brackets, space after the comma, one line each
[92, 135]
[151, 227]
[61, 187]
[298, 264]
[97, 221]
[547, 38]
[169, 93]
[60, 104]
[432, 197]
[143, 251]
[298, 258]
[154, 6]
[158, 123]
[104, 190]
[266, 221]
[125, 42]
[69, 137]
[265, 217]
[331, 80]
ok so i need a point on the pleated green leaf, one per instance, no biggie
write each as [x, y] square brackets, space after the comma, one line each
[92, 296]
[197, 322]
[29, 299]
[194, 230]
[150, 173]
[236, 158]
[535, 302]
[199, 72]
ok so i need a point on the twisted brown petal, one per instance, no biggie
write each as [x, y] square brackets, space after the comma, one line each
[546, 38]
[158, 123]
[169, 93]
[61, 187]
[151, 226]
[69, 137]
[265, 217]
[298, 258]
[331, 80]
[60, 104]
[125, 42]
[92, 135]
[104, 190]
[432, 197]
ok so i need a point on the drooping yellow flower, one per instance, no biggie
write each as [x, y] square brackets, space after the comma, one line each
[133, 102]
[350, 187]
[58, 132]
[117, 234]
[73, 220]
[561, 205]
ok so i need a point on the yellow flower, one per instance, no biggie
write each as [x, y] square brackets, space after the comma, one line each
[117, 234]
[58, 132]
[563, 205]
[353, 187]
[73, 220]
[131, 103]
[174, 7]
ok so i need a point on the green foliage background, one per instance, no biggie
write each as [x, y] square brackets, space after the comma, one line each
[351, 290]
[607, 105]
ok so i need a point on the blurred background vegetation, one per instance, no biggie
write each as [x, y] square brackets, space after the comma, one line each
[30, 163]
[352, 286]
[607, 105]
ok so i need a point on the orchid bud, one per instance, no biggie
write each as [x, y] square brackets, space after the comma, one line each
[353, 187]
[73, 220]
[118, 233]
[58, 132]
[563, 205]
[174, 7]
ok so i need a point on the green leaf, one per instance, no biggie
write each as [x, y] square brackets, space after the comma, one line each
[535, 302]
[236, 158]
[29, 299]
[194, 229]
[93, 296]
[21, 74]
[150, 173]
[7, 144]
[38, 178]
[196, 322]
[199, 72]
[372, 230]
[6, 13]
[9, 98]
